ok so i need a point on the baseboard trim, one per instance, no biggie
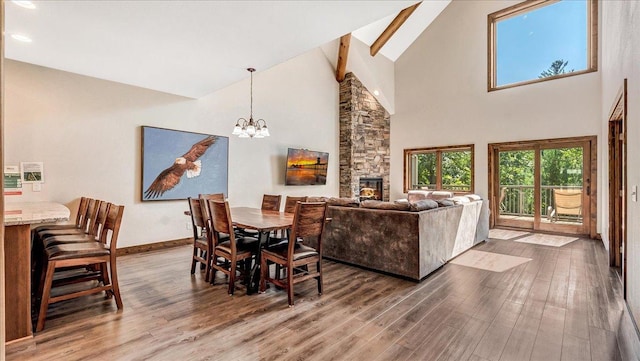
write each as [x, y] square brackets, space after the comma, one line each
[154, 246]
[628, 336]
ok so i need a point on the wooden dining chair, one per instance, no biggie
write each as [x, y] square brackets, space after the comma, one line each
[271, 202]
[295, 257]
[236, 251]
[202, 240]
[289, 207]
[85, 254]
[290, 203]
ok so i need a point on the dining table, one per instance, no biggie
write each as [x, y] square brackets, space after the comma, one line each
[264, 222]
[18, 219]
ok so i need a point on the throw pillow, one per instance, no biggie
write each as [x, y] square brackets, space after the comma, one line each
[424, 205]
[444, 202]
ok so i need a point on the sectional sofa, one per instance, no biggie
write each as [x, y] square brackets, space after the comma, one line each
[401, 238]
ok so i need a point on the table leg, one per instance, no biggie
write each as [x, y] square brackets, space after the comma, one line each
[254, 276]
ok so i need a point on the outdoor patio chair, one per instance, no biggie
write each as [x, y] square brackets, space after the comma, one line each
[567, 202]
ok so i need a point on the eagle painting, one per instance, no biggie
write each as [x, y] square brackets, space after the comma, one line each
[188, 163]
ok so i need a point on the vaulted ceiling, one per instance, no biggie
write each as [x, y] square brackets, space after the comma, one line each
[187, 48]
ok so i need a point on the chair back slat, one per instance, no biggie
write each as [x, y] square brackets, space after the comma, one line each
[290, 203]
[308, 222]
[271, 202]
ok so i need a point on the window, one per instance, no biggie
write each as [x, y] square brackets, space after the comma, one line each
[541, 40]
[442, 168]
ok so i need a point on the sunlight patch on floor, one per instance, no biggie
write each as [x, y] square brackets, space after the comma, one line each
[489, 261]
[505, 234]
[547, 240]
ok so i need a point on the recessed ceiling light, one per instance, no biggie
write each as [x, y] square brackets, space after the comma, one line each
[375, 92]
[24, 3]
[20, 37]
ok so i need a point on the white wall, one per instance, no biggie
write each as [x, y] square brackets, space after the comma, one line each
[442, 98]
[620, 59]
[87, 133]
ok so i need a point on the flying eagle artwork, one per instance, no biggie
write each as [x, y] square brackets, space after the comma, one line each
[188, 163]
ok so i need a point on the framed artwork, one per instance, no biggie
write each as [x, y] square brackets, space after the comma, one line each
[178, 164]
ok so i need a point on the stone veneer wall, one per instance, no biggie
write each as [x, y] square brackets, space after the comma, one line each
[364, 138]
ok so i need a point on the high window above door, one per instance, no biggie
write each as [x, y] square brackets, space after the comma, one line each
[542, 40]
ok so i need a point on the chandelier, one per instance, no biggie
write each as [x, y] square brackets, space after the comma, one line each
[250, 128]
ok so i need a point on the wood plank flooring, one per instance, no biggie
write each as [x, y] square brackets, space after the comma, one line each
[565, 304]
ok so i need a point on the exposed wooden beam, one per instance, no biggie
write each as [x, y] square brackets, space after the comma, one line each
[343, 52]
[392, 28]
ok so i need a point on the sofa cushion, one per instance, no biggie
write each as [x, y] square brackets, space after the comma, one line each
[343, 202]
[424, 205]
[385, 205]
[444, 202]
[417, 195]
[460, 200]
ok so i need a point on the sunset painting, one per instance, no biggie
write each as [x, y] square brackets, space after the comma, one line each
[306, 167]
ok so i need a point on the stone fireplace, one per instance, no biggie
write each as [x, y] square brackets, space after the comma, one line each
[364, 139]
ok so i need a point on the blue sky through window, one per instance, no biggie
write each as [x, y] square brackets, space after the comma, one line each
[528, 43]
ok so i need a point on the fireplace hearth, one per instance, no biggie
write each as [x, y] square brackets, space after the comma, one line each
[371, 188]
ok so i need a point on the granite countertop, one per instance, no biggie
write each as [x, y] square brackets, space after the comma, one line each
[34, 212]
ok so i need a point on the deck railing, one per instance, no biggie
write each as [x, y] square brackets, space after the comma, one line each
[449, 187]
[518, 200]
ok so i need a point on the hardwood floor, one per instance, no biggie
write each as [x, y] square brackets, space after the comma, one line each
[564, 304]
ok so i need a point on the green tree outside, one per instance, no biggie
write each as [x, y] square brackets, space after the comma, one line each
[556, 68]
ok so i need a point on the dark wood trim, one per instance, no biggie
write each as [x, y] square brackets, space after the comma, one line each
[343, 54]
[438, 150]
[618, 189]
[527, 6]
[2, 235]
[154, 246]
[395, 24]
[589, 144]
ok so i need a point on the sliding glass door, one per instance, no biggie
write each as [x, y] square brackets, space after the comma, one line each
[543, 185]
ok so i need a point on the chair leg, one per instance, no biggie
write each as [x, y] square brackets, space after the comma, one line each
[104, 276]
[290, 285]
[193, 260]
[114, 277]
[46, 294]
[319, 278]
[232, 277]
[264, 273]
[207, 272]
